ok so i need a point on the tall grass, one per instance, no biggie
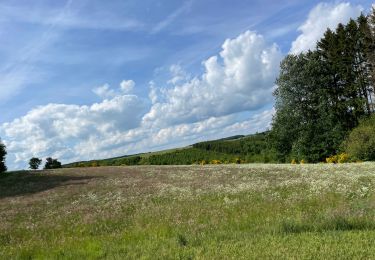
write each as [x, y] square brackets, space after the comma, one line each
[190, 212]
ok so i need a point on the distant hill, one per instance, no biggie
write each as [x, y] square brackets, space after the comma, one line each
[233, 149]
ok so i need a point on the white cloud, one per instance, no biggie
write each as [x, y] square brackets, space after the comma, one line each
[178, 74]
[188, 109]
[323, 16]
[127, 86]
[104, 91]
[85, 136]
[59, 129]
[240, 79]
[153, 95]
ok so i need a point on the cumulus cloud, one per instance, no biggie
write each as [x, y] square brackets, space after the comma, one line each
[59, 129]
[127, 86]
[104, 91]
[241, 78]
[178, 75]
[323, 16]
[187, 109]
[74, 140]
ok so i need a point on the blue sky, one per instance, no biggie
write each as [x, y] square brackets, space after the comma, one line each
[68, 59]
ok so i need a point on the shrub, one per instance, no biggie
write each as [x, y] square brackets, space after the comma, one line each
[215, 162]
[332, 159]
[343, 158]
[360, 144]
[340, 158]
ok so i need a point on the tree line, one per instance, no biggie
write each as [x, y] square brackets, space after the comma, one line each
[253, 144]
[34, 162]
[50, 163]
[325, 93]
[235, 149]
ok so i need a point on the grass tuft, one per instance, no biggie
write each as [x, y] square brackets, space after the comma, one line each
[182, 240]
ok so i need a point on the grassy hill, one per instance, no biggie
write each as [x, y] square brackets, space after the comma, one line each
[235, 149]
[253, 211]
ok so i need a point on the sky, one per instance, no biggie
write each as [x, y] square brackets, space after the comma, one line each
[83, 80]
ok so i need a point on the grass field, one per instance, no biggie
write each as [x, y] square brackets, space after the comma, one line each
[190, 212]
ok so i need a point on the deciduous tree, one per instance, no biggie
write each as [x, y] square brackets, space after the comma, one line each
[52, 163]
[34, 163]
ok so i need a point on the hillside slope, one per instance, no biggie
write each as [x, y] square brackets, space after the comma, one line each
[235, 149]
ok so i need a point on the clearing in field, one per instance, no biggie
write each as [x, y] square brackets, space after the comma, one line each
[169, 212]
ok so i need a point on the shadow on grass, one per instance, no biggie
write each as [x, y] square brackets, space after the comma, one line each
[334, 224]
[26, 183]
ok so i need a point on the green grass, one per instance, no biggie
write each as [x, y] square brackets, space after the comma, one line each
[190, 212]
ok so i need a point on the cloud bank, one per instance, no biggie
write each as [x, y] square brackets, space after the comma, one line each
[238, 80]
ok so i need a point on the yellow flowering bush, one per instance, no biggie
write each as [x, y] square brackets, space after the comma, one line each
[340, 158]
[215, 162]
[203, 162]
[343, 158]
[332, 159]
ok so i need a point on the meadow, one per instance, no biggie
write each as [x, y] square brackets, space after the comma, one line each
[253, 211]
